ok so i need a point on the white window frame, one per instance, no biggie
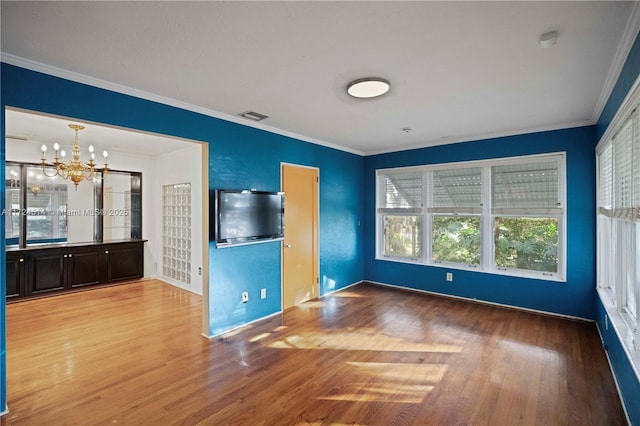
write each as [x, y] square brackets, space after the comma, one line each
[487, 217]
[609, 288]
[380, 194]
[618, 234]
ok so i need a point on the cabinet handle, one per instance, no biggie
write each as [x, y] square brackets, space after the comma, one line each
[106, 252]
[65, 256]
[21, 259]
[70, 255]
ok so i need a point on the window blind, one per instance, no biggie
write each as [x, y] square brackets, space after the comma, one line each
[401, 193]
[457, 191]
[526, 188]
[623, 171]
[605, 193]
[635, 166]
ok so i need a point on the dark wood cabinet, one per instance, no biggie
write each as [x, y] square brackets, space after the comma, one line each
[47, 273]
[122, 263]
[85, 267]
[55, 269]
[15, 275]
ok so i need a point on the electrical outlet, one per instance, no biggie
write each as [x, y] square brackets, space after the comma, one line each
[245, 297]
[263, 293]
[449, 276]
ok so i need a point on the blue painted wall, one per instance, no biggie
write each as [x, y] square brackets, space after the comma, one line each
[254, 162]
[627, 380]
[573, 297]
[239, 157]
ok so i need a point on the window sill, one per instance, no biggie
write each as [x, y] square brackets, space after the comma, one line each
[625, 333]
[457, 266]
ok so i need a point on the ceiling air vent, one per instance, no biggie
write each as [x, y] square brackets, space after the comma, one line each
[252, 115]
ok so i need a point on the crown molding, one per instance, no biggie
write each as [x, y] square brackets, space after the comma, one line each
[628, 38]
[473, 138]
[629, 103]
[125, 90]
[103, 84]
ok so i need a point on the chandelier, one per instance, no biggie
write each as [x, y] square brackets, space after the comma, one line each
[74, 169]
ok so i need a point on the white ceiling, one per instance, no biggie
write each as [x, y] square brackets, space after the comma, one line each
[44, 129]
[459, 70]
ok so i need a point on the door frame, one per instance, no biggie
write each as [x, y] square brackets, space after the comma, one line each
[316, 261]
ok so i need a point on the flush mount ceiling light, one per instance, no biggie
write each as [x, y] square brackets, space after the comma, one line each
[370, 87]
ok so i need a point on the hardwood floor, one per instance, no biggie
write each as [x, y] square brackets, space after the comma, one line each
[133, 355]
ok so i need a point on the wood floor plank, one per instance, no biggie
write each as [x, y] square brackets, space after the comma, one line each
[133, 355]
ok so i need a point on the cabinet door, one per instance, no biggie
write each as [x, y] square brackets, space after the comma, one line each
[83, 268]
[47, 274]
[124, 262]
[15, 275]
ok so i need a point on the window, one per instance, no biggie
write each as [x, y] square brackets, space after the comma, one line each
[619, 218]
[456, 239]
[527, 212]
[400, 209]
[503, 216]
[526, 243]
[456, 205]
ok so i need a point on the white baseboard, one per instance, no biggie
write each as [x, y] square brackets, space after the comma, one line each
[484, 302]
[340, 289]
[239, 327]
[5, 411]
[613, 374]
[177, 284]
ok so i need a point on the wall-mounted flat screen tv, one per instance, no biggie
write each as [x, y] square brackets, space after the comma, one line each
[245, 217]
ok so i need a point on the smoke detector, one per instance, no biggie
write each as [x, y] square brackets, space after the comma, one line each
[548, 39]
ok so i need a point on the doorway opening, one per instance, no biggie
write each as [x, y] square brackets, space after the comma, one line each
[160, 158]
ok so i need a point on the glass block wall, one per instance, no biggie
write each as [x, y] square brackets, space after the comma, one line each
[176, 232]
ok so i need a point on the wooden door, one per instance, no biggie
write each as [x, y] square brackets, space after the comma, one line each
[300, 245]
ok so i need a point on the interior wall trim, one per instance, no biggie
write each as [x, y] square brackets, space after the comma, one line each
[126, 90]
[103, 84]
[342, 288]
[240, 327]
[628, 38]
[484, 302]
[475, 138]
[613, 374]
[628, 104]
